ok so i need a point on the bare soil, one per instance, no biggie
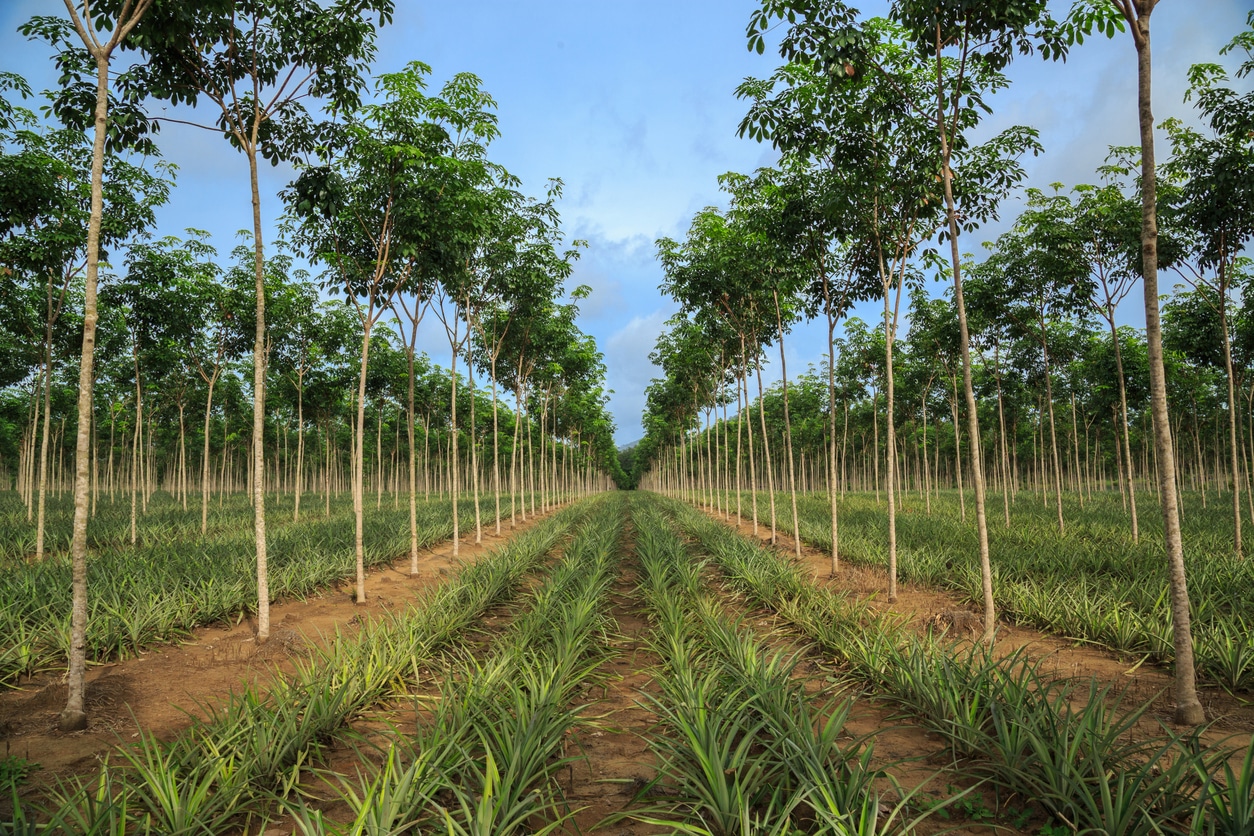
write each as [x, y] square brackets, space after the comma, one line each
[1231, 716]
[617, 762]
[163, 688]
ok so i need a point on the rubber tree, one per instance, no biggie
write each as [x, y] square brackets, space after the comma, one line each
[295, 348]
[161, 276]
[254, 65]
[1133, 17]
[101, 35]
[1109, 221]
[705, 273]
[1209, 209]
[78, 240]
[1041, 272]
[205, 341]
[967, 45]
[524, 267]
[683, 353]
[383, 210]
[409, 309]
[45, 204]
[866, 135]
[765, 241]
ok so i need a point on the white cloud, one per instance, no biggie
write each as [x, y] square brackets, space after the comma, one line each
[630, 370]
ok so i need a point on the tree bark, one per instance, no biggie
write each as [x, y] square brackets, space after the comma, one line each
[74, 716]
[359, 461]
[1188, 707]
[973, 419]
[792, 482]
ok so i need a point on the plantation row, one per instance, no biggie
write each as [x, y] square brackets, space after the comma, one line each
[165, 521]
[1072, 749]
[744, 748]
[138, 360]
[958, 356]
[741, 745]
[177, 580]
[1092, 583]
[255, 749]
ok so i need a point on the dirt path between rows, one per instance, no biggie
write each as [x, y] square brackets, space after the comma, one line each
[612, 741]
[1232, 716]
[164, 687]
[917, 759]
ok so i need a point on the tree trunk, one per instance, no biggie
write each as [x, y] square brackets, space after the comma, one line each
[259, 405]
[136, 461]
[792, 482]
[300, 442]
[1188, 707]
[753, 474]
[1007, 480]
[496, 449]
[890, 431]
[413, 467]
[1053, 433]
[831, 415]
[766, 453]
[453, 468]
[73, 716]
[1233, 451]
[964, 340]
[359, 460]
[40, 514]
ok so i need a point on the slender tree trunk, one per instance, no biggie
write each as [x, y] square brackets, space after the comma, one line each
[453, 447]
[1188, 707]
[74, 716]
[1007, 482]
[1075, 447]
[953, 404]
[792, 482]
[496, 449]
[515, 476]
[831, 416]
[875, 435]
[40, 514]
[766, 453]
[927, 482]
[753, 475]
[136, 459]
[890, 431]
[300, 443]
[359, 460]
[259, 405]
[1053, 433]
[413, 465]
[1233, 450]
[474, 455]
[973, 418]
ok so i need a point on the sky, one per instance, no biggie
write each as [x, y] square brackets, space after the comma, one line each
[632, 105]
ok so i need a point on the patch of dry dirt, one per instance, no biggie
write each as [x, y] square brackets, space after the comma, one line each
[1232, 716]
[164, 687]
[616, 762]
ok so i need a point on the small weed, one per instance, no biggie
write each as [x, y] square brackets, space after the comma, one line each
[15, 770]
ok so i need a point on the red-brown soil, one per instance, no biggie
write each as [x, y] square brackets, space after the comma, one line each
[1232, 716]
[164, 687]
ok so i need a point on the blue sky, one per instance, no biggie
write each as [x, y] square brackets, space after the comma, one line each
[632, 105]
